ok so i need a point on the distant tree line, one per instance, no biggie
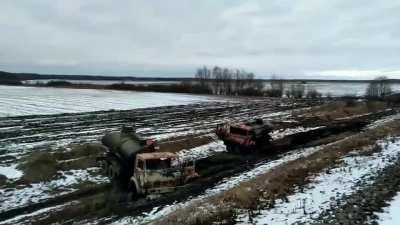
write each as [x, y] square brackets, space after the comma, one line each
[35, 76]
[184, 87]
[225, 81]
[221, 81]
[9, 79]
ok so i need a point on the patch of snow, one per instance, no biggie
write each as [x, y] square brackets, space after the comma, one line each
[202, 151]
[281, 114]
[326, 188]
[17, 197]
[10, 171]
[277, 134]
[174, 133]
[391, 215]
[384, 120]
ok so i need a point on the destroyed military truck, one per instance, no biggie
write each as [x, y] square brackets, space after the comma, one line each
[245, 136]
[137, 162]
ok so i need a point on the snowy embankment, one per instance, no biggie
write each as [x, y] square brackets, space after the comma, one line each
[326, 188]
[224, 185]
[391, 215]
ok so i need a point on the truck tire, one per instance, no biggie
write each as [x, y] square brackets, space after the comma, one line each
[237, 149]
[229, 147]
[133, 194]
[111, 172]
[105, 168]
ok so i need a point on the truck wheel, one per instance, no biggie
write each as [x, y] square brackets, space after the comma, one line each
[236, 149]
[105, 169]
[111, 173]
[132, 195]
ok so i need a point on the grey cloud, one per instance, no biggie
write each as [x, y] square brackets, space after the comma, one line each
[172, 38]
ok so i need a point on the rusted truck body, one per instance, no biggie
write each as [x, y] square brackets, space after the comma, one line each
[138, 163]
[160, 172]
[244, 136]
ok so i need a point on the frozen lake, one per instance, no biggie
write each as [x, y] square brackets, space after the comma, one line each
[17, 101]
[338, 89]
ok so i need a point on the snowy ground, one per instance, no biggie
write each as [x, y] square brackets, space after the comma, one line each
[391, 215]
[17, 101]
[20, 136]
[326, 188]
[21, 196]
[10, 171]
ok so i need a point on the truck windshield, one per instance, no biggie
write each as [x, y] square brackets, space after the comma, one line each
[158, 164]
[235, 130]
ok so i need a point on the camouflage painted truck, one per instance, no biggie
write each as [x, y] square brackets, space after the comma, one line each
[137, 162]
[245, 136]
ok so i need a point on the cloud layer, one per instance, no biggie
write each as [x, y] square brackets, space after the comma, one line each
[304, 38]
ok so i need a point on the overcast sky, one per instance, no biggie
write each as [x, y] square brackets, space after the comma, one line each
[293, 39]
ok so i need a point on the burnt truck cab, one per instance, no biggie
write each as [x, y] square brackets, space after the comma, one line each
[245, 135]
[136, 162]
[160, 172]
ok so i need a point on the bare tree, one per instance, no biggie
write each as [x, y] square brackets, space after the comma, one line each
[224, 81]
[296, 91]
[277, 87]
[199, 76]
[214, 76]
[249, 78]
[313, 93]
[379, 87]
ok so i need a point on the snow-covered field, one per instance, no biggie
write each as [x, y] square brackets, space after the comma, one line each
[306, 205]
[17, 101]
[58, 133]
